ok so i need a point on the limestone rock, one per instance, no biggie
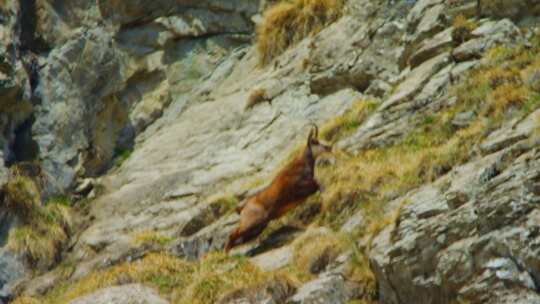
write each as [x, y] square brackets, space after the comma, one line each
[470, 246]
[489, 33]
[77, 112]
[128, 294]
[430, 48]
[12, 267]
[327, 288]
[274, 259]
[274, 291]
[515, 10]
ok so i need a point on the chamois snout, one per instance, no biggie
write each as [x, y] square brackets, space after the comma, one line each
[318, 148]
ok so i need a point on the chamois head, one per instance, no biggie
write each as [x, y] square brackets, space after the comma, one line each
[316, 146]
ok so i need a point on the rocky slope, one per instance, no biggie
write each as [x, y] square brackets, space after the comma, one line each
[144, 114]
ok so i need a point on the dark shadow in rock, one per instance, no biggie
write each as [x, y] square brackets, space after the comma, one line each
[25, 147]
[275, 239]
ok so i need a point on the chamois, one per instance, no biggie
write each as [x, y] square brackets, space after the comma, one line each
[291, 187]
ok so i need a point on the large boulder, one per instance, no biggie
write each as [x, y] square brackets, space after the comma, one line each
[78, 111]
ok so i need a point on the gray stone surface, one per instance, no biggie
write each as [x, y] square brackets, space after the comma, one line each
[166, 83]
[438, 252]
[125, 294]
[327, 288]
[12, 268]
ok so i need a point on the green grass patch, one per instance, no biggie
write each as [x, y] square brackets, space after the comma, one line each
[44, 228]
[121, 155]
[180, 281]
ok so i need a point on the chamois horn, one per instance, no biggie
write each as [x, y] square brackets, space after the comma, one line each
[314, 132]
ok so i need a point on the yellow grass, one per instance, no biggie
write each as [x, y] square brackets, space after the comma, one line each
[22, 196]
[506, 96]
[26, 300]
[463, 28]
[314, 246]
[288, 22]
[349, 121]
[150, 238]
[44, 229]
[177, 280]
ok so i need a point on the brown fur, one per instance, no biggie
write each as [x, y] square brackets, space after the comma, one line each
[292, 186]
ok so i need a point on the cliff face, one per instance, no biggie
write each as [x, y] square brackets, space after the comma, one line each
[155, 117]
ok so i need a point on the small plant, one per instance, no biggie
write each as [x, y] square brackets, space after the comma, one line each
[121, 156]
[463, 29]
[151, 238]
[506, 96]
[22, 196]
[44, 228]
[288, 22]
[39, 247]
[349, 121]
[63, 200]
[255, 97]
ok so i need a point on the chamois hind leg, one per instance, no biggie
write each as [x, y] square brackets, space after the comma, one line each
[253, 220]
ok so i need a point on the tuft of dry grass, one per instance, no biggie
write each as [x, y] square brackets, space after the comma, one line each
[359, 271]
[26, 300]
[255, 97]
[39, 246]
[22, 196]
[44, 229]
[178, 280]
[506, 96]
[463, 29]
[315, 249]
[288, 22]
[349, 121]
[150, 238]
[503, 82]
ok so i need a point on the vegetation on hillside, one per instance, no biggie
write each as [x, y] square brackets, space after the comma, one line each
[180, 281]
[44, 227]
[289, 21]
[504, 86]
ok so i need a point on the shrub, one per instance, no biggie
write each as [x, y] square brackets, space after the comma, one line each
[463, 28]
[39, 246]
[288, 22]
[44, 228]
[121, 155]
[22, 196]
